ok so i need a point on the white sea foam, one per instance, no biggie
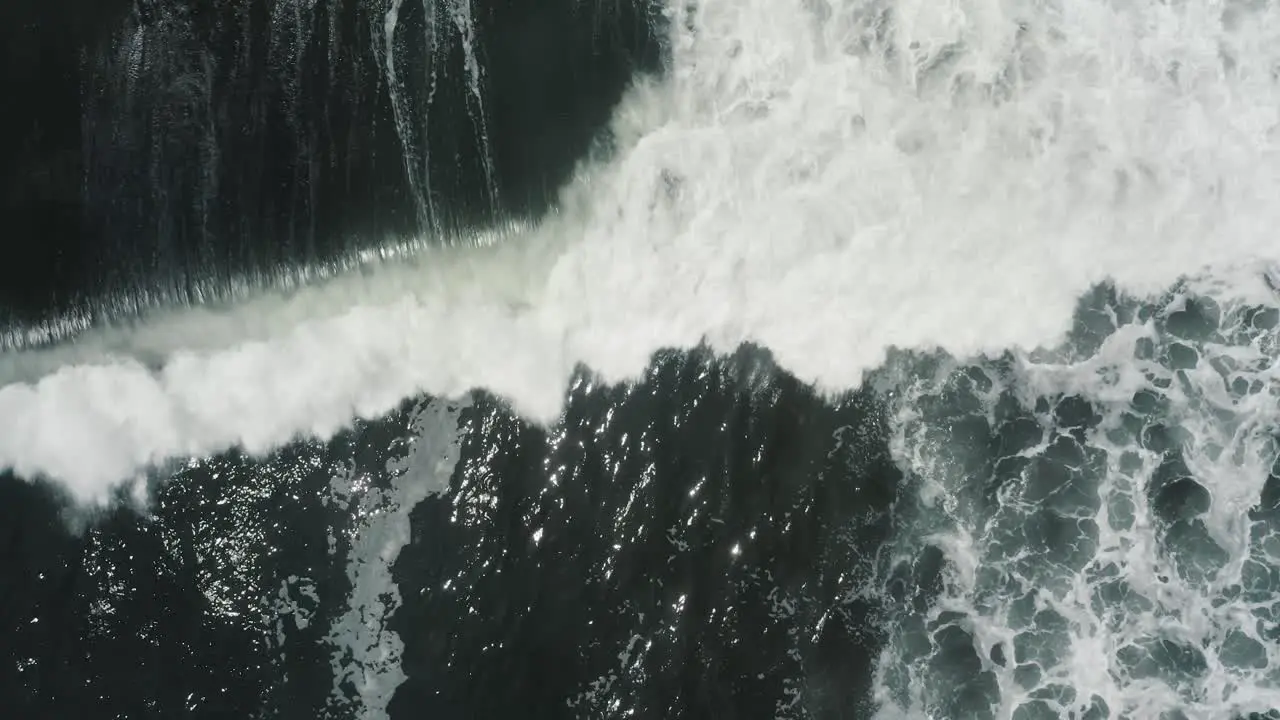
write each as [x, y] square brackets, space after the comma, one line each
[826, 178]
[1109, 589]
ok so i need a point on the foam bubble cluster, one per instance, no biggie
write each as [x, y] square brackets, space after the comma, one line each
[1094, 534]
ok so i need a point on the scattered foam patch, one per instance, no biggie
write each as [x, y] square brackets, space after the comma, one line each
[366, 651]
[1104, 522]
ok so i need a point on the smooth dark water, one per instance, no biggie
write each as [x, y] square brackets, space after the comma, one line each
[155, 151]
[697, 545]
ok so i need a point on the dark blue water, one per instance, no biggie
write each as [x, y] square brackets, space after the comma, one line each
[697, 545]
[158, 151]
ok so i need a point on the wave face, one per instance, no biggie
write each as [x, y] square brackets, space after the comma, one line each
[878, 359]
[189, 152]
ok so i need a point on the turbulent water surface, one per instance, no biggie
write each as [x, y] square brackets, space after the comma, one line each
[724, 359]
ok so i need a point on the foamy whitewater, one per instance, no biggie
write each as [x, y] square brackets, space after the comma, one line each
[924, 194]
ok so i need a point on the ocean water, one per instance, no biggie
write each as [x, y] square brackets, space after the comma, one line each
[724, 359]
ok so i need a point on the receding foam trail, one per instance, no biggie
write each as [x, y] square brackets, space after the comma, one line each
[367, 652]
[828, 179]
